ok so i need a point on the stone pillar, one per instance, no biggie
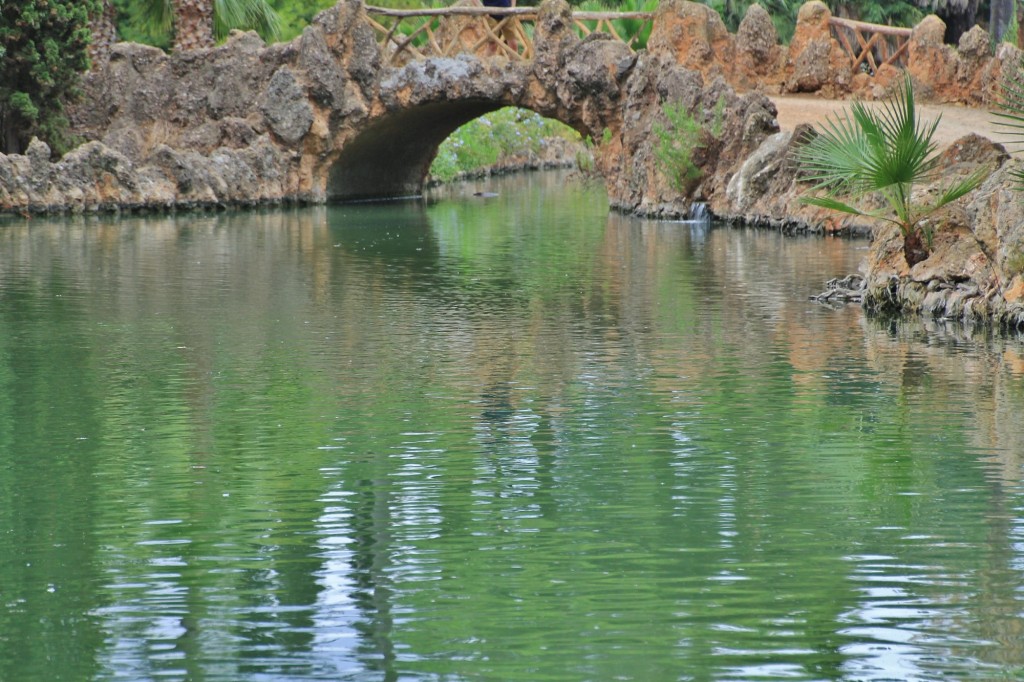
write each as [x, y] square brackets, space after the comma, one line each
[815, 62]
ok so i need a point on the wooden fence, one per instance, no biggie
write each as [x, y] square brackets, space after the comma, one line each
[488, 31]
[406, 35]
[871, 45]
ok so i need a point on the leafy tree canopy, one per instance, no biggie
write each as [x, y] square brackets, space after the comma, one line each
[296, 15]
[43, 50]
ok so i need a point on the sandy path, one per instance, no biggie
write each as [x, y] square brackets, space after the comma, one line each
[956, 121]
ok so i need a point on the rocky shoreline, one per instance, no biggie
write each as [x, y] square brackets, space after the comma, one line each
[247, 124]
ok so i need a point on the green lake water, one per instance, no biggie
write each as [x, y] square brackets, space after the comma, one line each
[513, 439]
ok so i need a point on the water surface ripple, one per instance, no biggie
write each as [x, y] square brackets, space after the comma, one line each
[491, 439]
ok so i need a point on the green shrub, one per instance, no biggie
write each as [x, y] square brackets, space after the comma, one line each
[482, 142]
[42, 53]
[675, 145]
[626, 28]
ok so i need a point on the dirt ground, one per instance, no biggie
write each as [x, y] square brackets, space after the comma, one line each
[956, 121]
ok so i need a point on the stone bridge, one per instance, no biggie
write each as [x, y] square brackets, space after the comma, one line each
[328, 117]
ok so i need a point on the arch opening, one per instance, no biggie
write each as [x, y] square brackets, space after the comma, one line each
[391, 158]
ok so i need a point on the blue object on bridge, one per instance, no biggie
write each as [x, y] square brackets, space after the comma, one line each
[497, 3]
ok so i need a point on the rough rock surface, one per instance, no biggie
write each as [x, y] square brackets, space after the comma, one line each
[696, 35]
[815, 61]
[327, 117]
[758, 53]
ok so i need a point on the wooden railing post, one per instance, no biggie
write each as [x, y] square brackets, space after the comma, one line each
[891, 42]
[444, 32]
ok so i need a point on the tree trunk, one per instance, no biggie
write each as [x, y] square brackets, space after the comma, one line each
[103, 26]
[914, 249]
[193, 24]
[999, 16]
[9, 143]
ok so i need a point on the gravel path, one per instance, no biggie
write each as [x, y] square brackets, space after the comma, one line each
[956, 121]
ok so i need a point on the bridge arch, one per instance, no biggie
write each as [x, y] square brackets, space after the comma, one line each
[411, 108]
[391, 157]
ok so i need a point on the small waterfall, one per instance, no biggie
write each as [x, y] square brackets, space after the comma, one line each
[699, 213]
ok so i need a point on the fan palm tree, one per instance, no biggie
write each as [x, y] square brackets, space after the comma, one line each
[198, 23]
[886, 152]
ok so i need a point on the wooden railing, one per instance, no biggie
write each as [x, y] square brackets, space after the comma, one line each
[405, 35]
[875, 44]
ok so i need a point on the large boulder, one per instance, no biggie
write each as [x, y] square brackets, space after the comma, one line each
[695, 36]
[286, 108]
[815, 62]
[931, 63]
[759, 57]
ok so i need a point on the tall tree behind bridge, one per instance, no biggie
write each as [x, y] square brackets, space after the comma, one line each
[43, 50]
[783, 13]
[194, 24]
[297, 14]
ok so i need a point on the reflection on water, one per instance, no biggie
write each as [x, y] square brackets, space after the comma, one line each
[503, 438]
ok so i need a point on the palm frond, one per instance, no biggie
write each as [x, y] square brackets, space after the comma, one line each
[867, 149]
[257, 15]
[884, 151]
[835, 155]
[157, 13]
[834, 204]
[910, 149]
[959, 189]
[1018, 174]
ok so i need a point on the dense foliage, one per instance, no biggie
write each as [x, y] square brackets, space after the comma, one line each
[481, 143]
[296, 14]
[43, 48]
